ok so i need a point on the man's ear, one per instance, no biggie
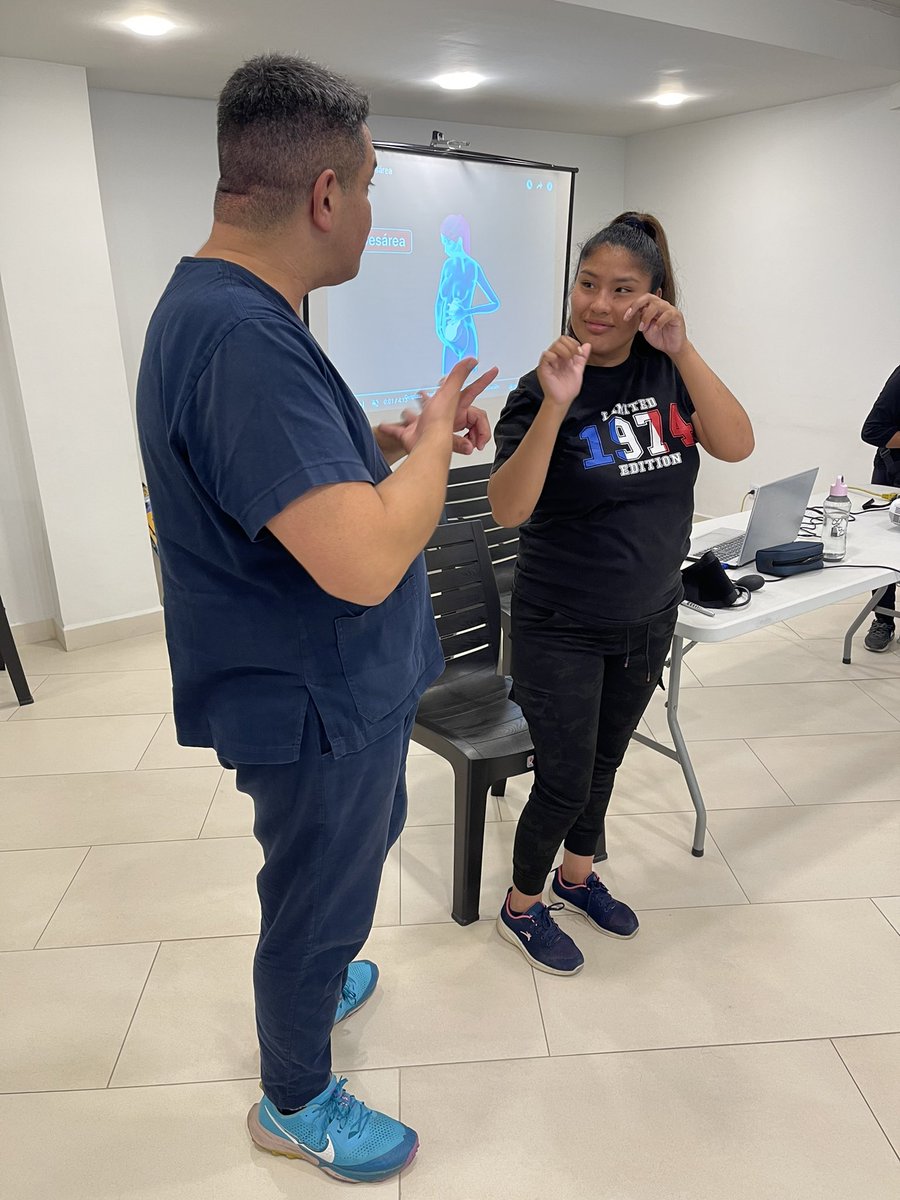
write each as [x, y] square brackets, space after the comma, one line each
[323, 200]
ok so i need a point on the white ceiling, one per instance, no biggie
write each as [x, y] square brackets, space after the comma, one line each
[579, 66]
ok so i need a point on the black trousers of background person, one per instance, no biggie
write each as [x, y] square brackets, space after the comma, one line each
[583, 691]
[881, 477]
[888, 600]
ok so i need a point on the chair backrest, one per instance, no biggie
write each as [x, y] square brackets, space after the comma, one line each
[467, 501]
[464, 594]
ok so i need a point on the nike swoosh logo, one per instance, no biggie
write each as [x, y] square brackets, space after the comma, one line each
[326, 1154]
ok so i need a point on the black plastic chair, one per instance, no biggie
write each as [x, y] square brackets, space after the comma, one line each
[467, 716]
[467, 501]
[10, 661]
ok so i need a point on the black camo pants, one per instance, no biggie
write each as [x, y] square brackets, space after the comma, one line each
[583, 692]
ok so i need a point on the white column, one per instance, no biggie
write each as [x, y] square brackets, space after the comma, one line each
[64, 334]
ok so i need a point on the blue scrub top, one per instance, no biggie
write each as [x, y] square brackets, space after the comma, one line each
[240, 413]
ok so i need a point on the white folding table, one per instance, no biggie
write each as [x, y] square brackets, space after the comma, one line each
[872, 564]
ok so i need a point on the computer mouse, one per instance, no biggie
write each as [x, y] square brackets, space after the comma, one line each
[751, 582]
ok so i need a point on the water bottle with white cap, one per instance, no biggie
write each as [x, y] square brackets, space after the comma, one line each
[836, 518]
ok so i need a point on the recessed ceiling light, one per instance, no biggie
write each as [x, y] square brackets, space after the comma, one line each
[458, 81]
[670, 99]
[148, 26]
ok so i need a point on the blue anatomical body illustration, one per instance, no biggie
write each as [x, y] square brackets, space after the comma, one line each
[461, 277]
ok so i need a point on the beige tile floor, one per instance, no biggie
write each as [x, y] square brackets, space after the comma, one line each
[745, 1045]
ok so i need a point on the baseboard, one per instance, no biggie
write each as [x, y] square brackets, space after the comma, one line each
[34, 631]
[79, 637]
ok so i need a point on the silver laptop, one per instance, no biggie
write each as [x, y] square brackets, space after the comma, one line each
[777, 514]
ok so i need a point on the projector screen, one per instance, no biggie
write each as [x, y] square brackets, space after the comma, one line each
[468, 254]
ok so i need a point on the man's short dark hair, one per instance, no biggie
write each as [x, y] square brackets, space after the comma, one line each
[282, 121]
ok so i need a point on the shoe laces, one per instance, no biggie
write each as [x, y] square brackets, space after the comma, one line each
[547, 929]
[344, 1110]
[600, 893]
[348, 992]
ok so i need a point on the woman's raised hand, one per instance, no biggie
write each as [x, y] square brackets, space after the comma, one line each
[660, 322]
[561, 371]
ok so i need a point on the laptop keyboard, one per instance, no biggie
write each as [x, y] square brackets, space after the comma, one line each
[726, 551]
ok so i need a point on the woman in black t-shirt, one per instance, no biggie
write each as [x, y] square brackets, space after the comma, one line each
[596, 460]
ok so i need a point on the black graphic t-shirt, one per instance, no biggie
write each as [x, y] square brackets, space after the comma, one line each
[607, 538]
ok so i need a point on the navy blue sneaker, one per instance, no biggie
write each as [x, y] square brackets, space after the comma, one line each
[540, 938]
[592, 901]
[362, 976]
[338, 1134]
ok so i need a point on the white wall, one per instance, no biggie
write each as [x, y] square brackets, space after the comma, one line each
[26, 577]
[156, 161]
[63, 331]
[784, 228]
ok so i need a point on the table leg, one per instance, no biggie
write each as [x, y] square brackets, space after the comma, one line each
[684, 758]
[848, 636]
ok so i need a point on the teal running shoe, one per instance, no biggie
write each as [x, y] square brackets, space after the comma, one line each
[362, 976]
[337, 1134]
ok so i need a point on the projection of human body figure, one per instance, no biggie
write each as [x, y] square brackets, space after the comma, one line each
[461, 277]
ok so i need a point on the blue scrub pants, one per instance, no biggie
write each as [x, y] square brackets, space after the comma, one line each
[325, 826]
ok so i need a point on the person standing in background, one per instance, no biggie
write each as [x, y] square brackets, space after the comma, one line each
[882, 430]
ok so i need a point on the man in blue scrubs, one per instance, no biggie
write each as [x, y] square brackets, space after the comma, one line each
[298, 616]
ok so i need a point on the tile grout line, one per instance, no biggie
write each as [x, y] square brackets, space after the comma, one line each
[772, 737]
[711, 836]
[212, 801]
[113, 771]
[83, 717]
[883, 913]
[857, 682]
[230, 837]
[65, 893]
[137, 765]
[475, 1062]
[149, 941]
[134, 1014]
[863, 1096]
[540, 1011]
[211, 937]
[842, 679]
[226, 837]
[77, 674]
[776, 781]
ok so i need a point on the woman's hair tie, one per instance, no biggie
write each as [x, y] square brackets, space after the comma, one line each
[635, 222]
